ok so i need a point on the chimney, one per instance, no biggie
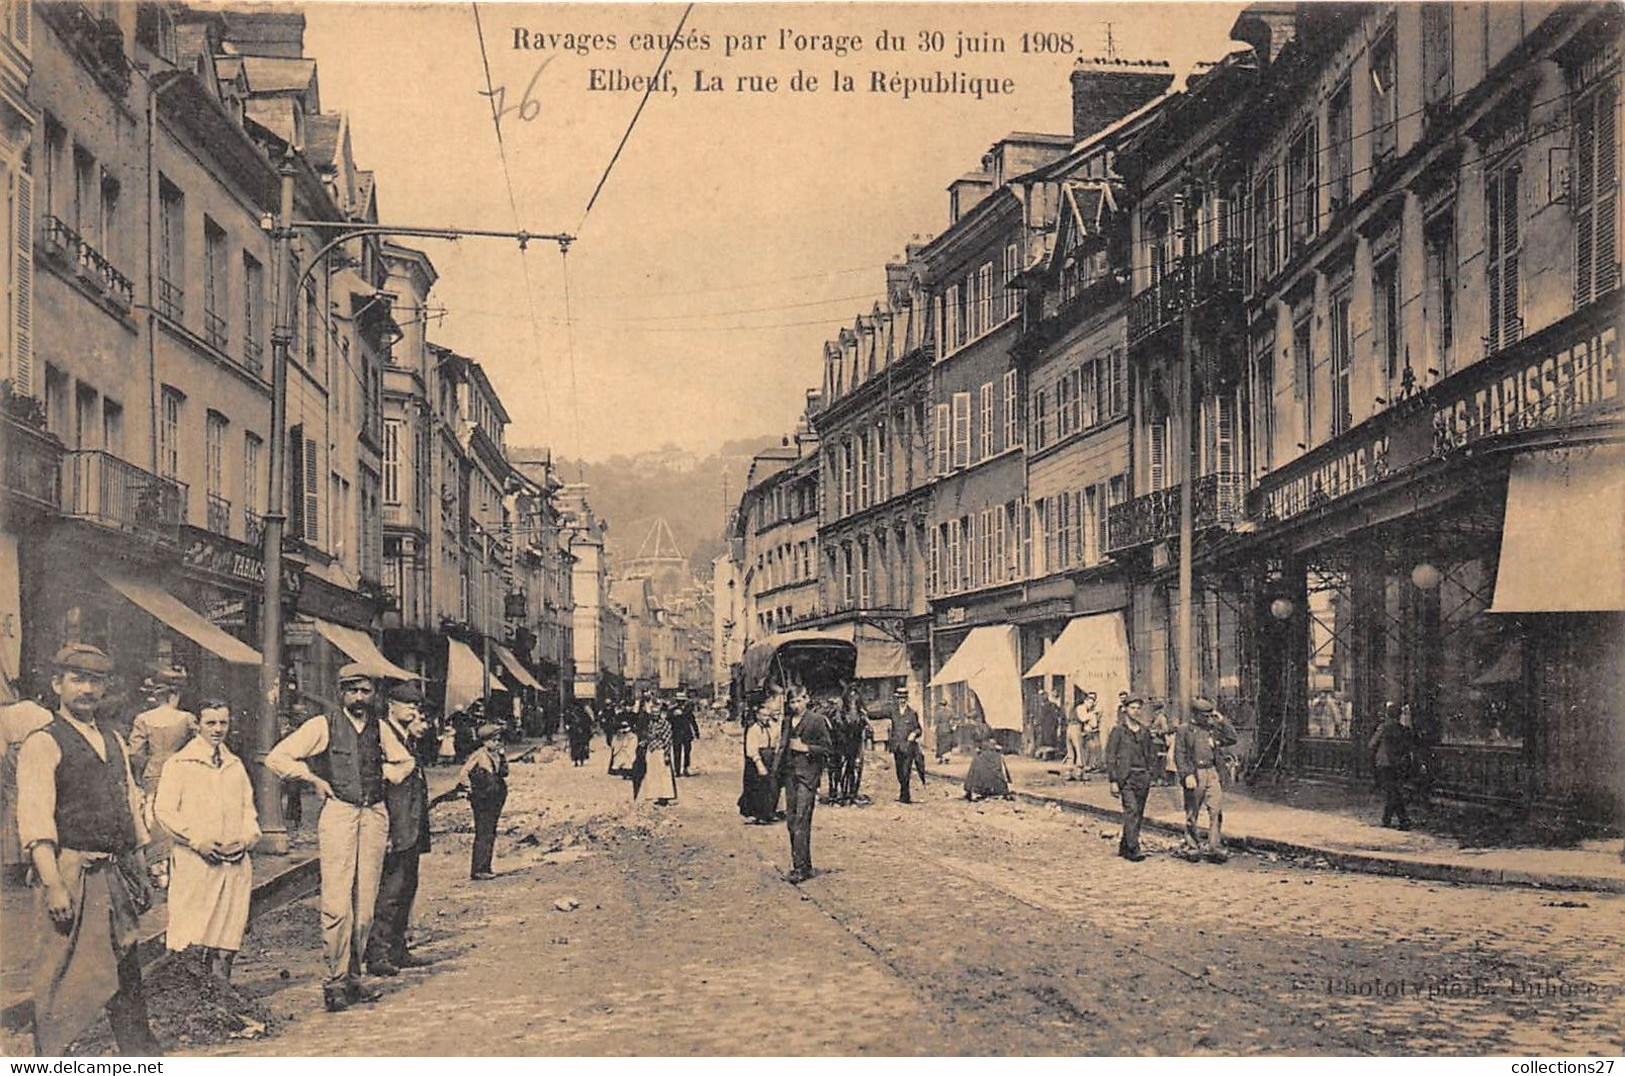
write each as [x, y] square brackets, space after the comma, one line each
[965, 192]
[897, 281]
[1104, 91]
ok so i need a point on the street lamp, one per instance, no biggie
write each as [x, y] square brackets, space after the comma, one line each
[268, 787]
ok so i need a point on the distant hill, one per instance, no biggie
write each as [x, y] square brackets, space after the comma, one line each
[693, 493]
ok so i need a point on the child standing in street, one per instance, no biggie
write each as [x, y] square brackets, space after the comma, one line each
[485, 776]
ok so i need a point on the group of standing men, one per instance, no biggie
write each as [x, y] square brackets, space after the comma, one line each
[1134, 758]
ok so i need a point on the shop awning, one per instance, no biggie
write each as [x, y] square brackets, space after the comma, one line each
[1562, 547]
[465, 677]
[1092, 653]
[511, 662]
[178, 616]
[986, 662]
[359, 647]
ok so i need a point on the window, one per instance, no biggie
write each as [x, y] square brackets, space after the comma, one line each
[56, 139]
[251, 472]
[113, 427]
[956, 560]
[986, 441]
[1303, 374]
[1501, 268]
[1007, 298]
[1300, 184]
[1263, 425]
[1339, 133]
[1038, 424]
[1092, 499]
[1157, 453]
[865, 591]
[311, 338]
[865, 486]
[83, 212]
[1385, 317]
[171, 250]
[954, 330]
[944, 435]
[214, 472]
[253, 313]
[1439, 307]
[1384, 101]
[169, 432]
[961, 429]
[1341, 408]
[56, 401]
[984, 298]
[1266, 230]
[1596, 193]
[214, 284]
[848, 477]
[1063, 530]
[87, 416]
[882, 458]
[107, 234]
[1066, 404]
[392, 461]
[1437, 41]
[1012, 435]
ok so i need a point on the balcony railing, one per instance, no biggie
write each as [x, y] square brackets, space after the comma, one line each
[253, 527]
[1210, 275]
[171, 299]
[1216, 500]
[69, 245]
[254, 357]
[113, 493]
[33, 465]
[214, 329]
[217, 515]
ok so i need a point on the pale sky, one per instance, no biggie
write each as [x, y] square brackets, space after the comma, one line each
[736, 233]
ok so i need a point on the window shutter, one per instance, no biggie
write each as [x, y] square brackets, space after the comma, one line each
[22, 284]
[1158, 432]
[313, 499]
[1511, 329]
[1606, 274]
[961, 420]
[296, 481]
[943, 462]
[1492, 266]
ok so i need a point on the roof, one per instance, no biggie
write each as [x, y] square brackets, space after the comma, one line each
[322, 132]
[269, 74]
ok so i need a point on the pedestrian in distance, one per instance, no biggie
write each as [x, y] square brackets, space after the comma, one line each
[581, 729]
[485, 776]
[155, 735]
[1392, 746]
[685, 729]
[943, 731]
[1131, 761]
[205, 801]
[79, 820]
[903, 740]
[408, 806]
[988, 774]
[349, 759]
[1199, 756]
[804, 735]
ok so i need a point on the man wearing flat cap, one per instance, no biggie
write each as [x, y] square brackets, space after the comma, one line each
[485, 776]
[79, 821]
[1130, 761]
[1199, 757]
[350, 760]
[408, 804]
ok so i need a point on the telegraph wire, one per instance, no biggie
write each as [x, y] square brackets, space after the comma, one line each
[647, 91]
[570, 348]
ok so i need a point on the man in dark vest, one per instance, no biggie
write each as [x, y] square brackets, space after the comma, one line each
[805, 740]
[349, 760]
[903, 740]
[1131, 761]
[408, 804]
[79, 821]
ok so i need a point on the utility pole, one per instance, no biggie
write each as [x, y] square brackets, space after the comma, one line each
[285, 291]
[1187, 438]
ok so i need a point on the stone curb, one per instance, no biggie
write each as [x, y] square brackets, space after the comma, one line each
[1358, 862]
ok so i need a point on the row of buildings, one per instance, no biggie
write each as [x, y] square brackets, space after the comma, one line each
[143, 148]
[1351, 293]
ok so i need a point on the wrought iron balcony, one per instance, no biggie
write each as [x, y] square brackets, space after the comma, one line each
[253, 527]
[1215, 273]
[1217, 500]
[217, 515]
[64, 243]
[33, 465]
[171, 299]
[109, 491]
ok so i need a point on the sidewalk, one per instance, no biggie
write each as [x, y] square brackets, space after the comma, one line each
[1344, 842]
[278, 880]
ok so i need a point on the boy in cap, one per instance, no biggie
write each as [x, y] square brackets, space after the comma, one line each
[1199, 757]
[1131, 759]
[485, 775]
[349, 759]
[408, 806]
[79, 821]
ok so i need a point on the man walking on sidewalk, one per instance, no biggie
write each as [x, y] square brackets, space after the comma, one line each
[904, 742]
[408, 807]
[348, 760]
[1199, 757]
[1130, 761]
[79, 820]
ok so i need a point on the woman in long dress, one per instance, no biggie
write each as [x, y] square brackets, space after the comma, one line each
[988, 776]
[582, 726]
[623, 746]
[759, 799]
[206, 802]
[658, 779]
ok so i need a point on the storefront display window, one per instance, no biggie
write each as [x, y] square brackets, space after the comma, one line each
[1330, 670]
[1481, 662]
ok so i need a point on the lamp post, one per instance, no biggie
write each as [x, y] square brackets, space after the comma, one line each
[268, 787]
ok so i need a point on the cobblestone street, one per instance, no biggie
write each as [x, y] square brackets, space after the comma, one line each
[941, 927]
